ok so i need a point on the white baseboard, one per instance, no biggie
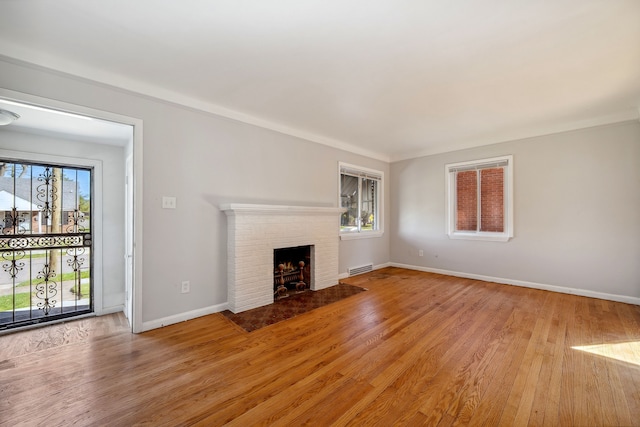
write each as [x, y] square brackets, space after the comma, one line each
[181, 317]
[375, 267]
[110, 310]
[553, 288]
[379, 266]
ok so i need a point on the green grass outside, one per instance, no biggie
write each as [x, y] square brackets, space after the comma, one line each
[65, 277]
[23, 300]
[33, 255]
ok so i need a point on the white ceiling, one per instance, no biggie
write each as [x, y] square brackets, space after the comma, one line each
[387, 78]
[63, 124]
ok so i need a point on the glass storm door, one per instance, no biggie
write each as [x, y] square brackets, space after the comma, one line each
[45, 242]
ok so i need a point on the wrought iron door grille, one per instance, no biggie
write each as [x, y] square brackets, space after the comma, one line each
[45, 242]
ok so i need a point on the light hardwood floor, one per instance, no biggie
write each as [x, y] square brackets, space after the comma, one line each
[416, 349]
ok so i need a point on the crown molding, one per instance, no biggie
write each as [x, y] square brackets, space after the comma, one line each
[74, 70]
[532, 132]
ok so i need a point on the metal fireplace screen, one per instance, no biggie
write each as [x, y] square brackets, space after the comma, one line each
[291, 270]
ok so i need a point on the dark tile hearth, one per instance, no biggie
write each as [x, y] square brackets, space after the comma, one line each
[291, 306]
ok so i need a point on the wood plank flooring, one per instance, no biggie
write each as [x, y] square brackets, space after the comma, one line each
[416, 349]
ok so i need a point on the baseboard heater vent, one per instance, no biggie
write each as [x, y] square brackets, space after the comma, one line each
[359, 270]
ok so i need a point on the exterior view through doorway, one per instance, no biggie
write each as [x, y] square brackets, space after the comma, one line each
[46, 240]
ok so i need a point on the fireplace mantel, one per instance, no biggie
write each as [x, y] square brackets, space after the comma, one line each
[238, 208]
[255, 231]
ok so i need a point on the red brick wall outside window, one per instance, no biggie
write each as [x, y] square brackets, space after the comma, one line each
[467, 202]
[491, 200]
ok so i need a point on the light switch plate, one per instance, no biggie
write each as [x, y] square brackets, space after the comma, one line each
[168, 202]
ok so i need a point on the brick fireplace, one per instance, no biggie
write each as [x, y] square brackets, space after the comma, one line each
[255, 231]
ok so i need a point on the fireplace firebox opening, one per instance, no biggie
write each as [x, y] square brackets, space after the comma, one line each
[291, 271]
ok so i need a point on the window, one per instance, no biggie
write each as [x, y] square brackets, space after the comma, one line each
[480, 199]
[361, 196]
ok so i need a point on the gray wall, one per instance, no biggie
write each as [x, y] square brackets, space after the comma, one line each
[204, 161]
[576, 207]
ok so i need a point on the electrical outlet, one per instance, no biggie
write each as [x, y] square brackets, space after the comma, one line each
[420, 252]
[186, 287]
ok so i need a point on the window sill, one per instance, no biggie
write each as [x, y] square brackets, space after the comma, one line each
[489, 237]
[361, 235]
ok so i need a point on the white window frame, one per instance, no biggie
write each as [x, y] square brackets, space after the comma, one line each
[450, 179]
[363, 172]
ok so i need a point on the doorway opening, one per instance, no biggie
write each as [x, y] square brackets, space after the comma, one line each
[99, 141]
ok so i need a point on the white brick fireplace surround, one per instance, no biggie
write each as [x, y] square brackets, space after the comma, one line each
[254, 231]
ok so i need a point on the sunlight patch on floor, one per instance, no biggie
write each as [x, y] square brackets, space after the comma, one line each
[626, 351]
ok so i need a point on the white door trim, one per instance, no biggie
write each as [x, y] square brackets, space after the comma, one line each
[135, 147]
